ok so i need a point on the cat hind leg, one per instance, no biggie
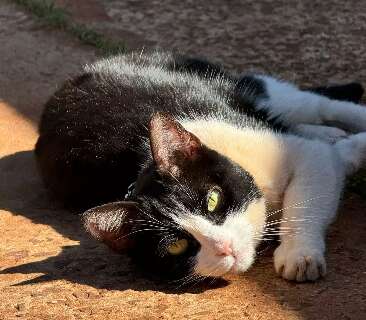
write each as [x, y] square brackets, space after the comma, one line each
[352, 152]
[292, 106]
[323, 133]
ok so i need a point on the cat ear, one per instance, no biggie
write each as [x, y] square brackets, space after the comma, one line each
[111, 223]
[172, 146]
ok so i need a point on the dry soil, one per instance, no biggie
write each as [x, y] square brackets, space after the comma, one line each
[50, 269]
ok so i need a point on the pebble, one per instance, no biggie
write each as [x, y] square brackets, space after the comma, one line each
[20, 306]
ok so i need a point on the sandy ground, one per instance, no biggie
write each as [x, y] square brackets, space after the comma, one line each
[49, 269]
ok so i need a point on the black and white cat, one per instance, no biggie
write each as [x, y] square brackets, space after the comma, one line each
[220, 162]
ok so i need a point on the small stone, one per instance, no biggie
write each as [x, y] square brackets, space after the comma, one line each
[20, 306]
[93, 295]
[80, 295]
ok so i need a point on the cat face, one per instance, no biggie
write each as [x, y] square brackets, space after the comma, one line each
[192, 210]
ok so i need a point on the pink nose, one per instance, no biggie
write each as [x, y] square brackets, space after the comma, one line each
[223, 248]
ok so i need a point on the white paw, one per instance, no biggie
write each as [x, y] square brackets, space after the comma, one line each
[299, 263]
[331, 134]
[324, 133]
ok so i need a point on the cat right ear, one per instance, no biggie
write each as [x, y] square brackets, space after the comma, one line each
[172, 146]
[111, 223]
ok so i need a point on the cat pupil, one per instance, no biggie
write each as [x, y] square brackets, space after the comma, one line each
[178, 247]
[213, 200]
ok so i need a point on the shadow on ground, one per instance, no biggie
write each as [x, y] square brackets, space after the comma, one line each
[33, 61]
[87, 262]
[94, 265]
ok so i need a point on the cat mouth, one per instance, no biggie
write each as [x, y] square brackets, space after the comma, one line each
[239, 266]
[234, 268]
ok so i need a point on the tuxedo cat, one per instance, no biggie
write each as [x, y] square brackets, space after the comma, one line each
[217, 163]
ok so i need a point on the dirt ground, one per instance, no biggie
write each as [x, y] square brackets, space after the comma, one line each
[50, 269]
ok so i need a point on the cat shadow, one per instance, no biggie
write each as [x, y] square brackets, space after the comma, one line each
[89, 262]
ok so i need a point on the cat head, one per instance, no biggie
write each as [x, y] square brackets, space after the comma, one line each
[192, 211]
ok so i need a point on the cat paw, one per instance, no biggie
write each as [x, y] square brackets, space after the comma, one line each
[332, 134]
[299, 264]
[323, 133]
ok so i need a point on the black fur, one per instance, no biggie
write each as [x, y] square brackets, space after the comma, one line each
[198, 66]
[248, 91]
[91, 130]
[352, 92]
[92, 146]
[158, 194]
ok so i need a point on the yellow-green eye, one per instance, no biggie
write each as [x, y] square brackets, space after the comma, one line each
[213, 200]
[178, 247]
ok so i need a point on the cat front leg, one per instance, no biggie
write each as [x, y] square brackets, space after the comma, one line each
[309, 205]
[311, 201]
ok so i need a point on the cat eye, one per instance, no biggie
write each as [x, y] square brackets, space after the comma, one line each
[178, 247]
[213, 199]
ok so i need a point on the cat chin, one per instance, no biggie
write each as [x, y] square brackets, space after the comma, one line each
[242, 265]
[211, 266]
[214, 266]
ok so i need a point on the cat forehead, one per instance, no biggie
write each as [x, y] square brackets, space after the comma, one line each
[213, 170]
[167, 200]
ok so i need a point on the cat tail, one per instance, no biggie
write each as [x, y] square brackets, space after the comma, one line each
[352, 92]
[352, 152]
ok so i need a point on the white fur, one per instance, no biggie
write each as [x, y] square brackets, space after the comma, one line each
[305, 176]
[294, 106]
[239, 229]
[124, 69]
[301, 177]
[324, 133]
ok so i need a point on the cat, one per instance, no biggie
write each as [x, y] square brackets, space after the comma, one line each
[214, 162]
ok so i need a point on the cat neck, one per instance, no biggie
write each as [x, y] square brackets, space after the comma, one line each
[259, 151]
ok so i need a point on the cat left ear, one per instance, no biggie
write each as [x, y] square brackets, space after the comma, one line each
[172, 146]
[111, 223]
